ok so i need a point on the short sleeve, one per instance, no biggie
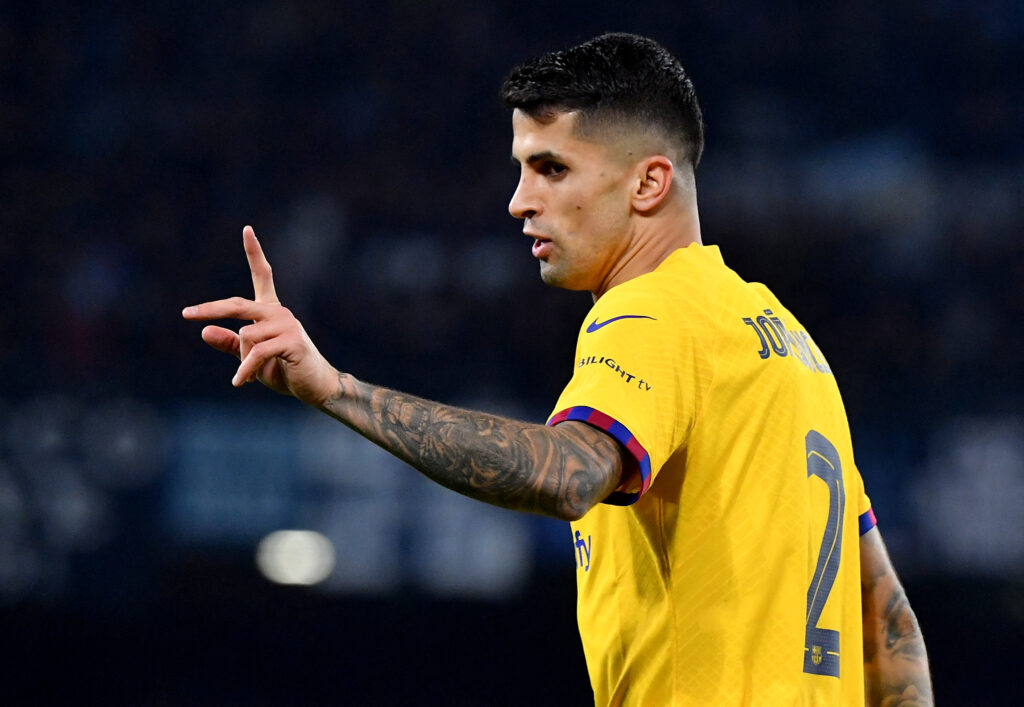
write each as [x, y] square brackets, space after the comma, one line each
[865, 513]
[632, 358]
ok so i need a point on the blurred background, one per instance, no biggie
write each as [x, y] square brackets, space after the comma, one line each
[168, 540]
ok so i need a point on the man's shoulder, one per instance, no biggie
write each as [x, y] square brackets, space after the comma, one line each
[642, 298]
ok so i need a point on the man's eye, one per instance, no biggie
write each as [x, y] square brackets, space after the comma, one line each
[552, 169]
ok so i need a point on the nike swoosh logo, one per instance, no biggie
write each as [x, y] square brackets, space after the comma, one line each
[594, 325]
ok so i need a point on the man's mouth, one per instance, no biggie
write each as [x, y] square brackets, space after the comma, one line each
[541, 247]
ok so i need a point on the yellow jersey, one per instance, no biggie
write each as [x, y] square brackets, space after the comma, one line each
[725, 570]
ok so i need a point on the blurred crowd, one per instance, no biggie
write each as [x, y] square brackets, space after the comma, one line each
[864, 161]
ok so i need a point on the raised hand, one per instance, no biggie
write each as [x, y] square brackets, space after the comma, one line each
[559, 471]
[274, 349]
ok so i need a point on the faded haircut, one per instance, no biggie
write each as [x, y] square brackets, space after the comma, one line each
[615, 79]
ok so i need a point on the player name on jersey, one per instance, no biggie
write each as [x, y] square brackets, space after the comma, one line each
[776, 339]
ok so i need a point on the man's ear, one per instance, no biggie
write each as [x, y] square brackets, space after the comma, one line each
[654, 181]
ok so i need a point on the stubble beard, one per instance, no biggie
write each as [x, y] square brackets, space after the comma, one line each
[548, 274]
[554, 276]
[551, 275]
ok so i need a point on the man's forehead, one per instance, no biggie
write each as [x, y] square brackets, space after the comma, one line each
[550, 132]
[551, 122]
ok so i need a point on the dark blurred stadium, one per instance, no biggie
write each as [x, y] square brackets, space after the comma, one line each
[865, 160]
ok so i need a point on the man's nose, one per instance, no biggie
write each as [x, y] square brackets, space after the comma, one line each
[523, 204]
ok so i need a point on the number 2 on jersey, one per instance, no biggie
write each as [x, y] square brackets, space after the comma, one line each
[821, 645]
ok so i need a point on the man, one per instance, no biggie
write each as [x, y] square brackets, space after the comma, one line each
[726, 549]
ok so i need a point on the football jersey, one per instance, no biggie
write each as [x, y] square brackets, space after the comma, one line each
[725, 569]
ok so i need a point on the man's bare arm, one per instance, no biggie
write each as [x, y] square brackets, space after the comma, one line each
[895, 662]
[558, 471]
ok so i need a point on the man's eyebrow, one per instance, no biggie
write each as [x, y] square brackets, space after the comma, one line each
[538, 157]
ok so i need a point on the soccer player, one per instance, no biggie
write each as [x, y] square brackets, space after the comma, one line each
[726, 550]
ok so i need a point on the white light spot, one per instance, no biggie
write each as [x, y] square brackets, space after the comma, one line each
[295, 557]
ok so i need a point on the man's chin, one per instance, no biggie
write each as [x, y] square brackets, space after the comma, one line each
[555, 277]
[550, 275]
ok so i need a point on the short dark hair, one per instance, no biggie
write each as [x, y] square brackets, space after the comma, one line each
[616, 76]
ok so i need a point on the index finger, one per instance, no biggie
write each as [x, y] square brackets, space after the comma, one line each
[262, 275]
[231, 308]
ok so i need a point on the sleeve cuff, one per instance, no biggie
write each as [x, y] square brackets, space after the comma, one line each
[616, 429]
[867, 521]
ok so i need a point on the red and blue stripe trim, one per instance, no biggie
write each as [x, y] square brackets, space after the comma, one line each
[616, 429]
[867, 521]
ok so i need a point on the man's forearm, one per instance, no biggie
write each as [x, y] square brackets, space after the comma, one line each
[558, 472]
[897, 672]
[895, 661]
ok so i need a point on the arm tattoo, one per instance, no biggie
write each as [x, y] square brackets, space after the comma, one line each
[902, 635]
[895, 661]
[559, 472]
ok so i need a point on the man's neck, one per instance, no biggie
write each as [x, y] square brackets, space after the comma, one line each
[655, 237]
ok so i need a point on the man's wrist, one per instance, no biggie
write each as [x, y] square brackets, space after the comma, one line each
[341, 387]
